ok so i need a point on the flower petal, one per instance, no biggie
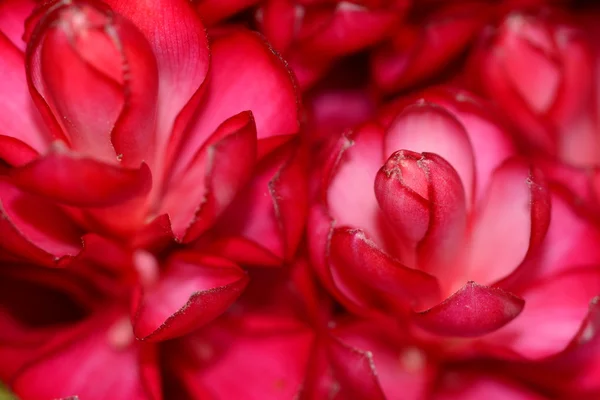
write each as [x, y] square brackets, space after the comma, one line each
[192, 291]
[222, 166]
[81, 355]
[430, 128]
[246, 75]
[182, 56]
[515, 215]
[17, 113]
[35, 229]
[66, 178]
[472, 311]
[15, 152]
[213, 11]
[13, 14]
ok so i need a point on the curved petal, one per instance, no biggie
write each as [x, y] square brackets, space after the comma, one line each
[476, 386]
[182, 57]
[101, 93]
[515, 215]
[472, 311]
[271, 211]
[17, 112]
[81, 355]
[365, 273]
[66, 178]
[213, 11]
[246, 75]
[553, 314]
[221, 168]
[424, 200]
[192, 291]
[15, 152]
[430, 128]
[34, 229]
[348, 183]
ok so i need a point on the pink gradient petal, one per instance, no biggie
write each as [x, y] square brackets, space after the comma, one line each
[182, 57]
[212, 179]
[472, 386]
[64, 177]
[246, 75]
[350, 197]
[362, 271]
[430, 128]
[17, 112]
[553, 314]
[35, 229]
[192, 291]
[515, 216]
[472, 311]
[81, 355]
[13, 14]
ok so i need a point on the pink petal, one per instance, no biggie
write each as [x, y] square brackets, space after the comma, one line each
[472, 311]
[473, 387]
[423, 198]
[13, 14]
[222, 166]
[245, 75]
[17, 111]
[182, 56]
[349, 181]
[271, 211]
[35, 229]
[64, 177]
[279, 21]
[356, 372]
[431, 128]
[553, 314]
[192, 291]
[80, 356]
[403, 370]
[515, 216]
[233, 363]
[363, 272]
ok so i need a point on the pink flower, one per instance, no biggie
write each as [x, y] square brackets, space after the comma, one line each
[452, 234]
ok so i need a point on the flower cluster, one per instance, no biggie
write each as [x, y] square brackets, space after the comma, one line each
[300, 199]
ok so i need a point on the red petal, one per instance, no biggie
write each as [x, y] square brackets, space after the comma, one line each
[278, 20]
[245, 75]
[423, 198]
[472, 311]
[182, 55]
[515, 216]
[64, 177]
[16, 111]
[431, 128]
[192, 291]
[80, 356]
[363, 272]
[272, 210]
[35, 229]
[355, 370]
[213, 11]
[222, 166]
[478, 386]
[268, 364]
[15, 152]
[554, 312]
[13, 14]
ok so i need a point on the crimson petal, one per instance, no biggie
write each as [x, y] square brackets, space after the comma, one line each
[193, 290]
[472, 311]
[66, 178]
